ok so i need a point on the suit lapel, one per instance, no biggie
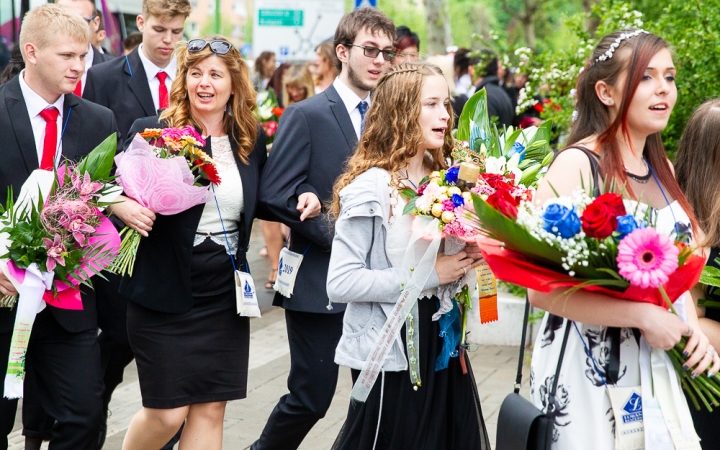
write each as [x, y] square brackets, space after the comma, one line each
[248, 176]
[138, 83]
[341, 115]
[71, 126]
[18, 113]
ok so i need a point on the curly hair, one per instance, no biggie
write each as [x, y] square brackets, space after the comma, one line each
[239, 123]
[392, 132]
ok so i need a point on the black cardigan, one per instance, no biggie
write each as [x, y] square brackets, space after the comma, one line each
[161, 277]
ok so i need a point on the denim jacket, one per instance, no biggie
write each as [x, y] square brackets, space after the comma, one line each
[360, 273]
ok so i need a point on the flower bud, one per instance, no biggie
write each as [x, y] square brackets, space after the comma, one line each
[448, 216]
[454, 190]
[437, 209]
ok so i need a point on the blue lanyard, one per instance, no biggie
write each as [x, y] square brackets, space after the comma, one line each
[227, 241]
[662, 191]
[587, 351]
[127, 61]
[287, 242]
[58, 150]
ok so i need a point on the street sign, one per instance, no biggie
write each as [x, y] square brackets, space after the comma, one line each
[293, 28]
[365, 4]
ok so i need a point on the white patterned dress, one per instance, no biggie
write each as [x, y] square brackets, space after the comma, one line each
[583, 417]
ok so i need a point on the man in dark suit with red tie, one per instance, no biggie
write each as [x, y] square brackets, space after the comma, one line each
[41, 122]
[133, 87]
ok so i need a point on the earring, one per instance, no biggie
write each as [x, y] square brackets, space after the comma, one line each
[228, 110]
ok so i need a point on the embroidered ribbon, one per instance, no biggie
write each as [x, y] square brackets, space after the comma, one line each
[419, 261]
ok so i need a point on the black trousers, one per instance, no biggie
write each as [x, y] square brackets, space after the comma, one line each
[7, 407]
[66, 382]
[312, 380]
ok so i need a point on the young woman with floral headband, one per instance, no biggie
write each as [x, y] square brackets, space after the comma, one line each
[407, 135]
[625, 97]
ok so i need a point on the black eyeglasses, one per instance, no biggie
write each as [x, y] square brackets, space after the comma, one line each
[217, 46]
[373, 52]
[90, 19]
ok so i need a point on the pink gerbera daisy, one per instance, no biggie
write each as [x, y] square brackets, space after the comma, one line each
[646, 258]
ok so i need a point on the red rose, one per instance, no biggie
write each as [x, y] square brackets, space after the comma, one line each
[599, 219]
[496, 181]
[504, 202]
[278, 111]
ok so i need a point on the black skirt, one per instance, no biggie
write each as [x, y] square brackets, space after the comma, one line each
[198, 356]
[444, 413]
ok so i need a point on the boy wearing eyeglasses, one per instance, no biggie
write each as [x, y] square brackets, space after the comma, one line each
[315, 138]
[133, 87]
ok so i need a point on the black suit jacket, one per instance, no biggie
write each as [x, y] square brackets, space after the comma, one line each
[121, 85]
[161, 277]
[99, 57]
[314, 141]
[87, 126]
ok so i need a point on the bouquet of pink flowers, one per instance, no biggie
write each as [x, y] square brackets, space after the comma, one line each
[161, 170]
[53, 239]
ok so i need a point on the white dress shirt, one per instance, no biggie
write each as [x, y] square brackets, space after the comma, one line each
[35, 104]
[351, 101]
[88, 64]
[151, 70]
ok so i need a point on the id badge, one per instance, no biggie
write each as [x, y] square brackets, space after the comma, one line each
[246, 298]
[288, 267]
[628, 410]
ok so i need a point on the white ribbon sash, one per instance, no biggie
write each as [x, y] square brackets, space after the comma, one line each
[419, 261]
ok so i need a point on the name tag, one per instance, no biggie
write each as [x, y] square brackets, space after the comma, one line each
[288, 267]
[246, 298]
[627, 407]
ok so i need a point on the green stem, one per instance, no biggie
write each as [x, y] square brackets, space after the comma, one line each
[690, 393]
[465, 295]
[667, 300]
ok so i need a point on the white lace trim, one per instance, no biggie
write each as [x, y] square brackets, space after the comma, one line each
[233, 239]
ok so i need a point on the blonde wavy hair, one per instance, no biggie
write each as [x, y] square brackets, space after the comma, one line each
[392, 132]
[239, 122]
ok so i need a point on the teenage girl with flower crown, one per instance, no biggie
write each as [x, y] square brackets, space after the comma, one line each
[697, 169]
[406, 136]
[625, 96]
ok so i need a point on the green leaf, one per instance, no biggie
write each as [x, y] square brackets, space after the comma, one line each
[475, 109]
[410, 206]
[510, 140]
[408, 193]
[710, 276]
[100, 161]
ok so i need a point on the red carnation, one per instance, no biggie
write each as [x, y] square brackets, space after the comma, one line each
[209, 171]
[503, 201]
[599, 219]
[278, 111]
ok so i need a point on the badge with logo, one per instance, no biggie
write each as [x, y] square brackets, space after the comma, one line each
[246, 299]
[627, 407]
[287, 271]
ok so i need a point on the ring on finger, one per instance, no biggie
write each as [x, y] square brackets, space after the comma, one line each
[710, 351]
[689, 331]
[464, 271]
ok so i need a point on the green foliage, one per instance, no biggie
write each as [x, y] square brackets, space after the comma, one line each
[514, 289]
[99, 162]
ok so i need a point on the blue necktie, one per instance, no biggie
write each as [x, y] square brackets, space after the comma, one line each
[362, 107]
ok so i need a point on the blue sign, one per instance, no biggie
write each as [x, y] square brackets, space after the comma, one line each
[284, 51]
[633, 408]
[365, 3]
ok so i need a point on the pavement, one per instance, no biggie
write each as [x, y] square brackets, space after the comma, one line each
[494, 368]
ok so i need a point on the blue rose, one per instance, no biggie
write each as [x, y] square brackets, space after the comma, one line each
[627, 224]
[517, 148]
[561, 221]
[458, 200]
[451, 175]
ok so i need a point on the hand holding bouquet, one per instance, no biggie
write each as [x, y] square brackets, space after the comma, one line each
[53, 239]
[601, 244]
[162, 171]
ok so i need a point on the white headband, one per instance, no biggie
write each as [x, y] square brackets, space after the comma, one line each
[623, 37]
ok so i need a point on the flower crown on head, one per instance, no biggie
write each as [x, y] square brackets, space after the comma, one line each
[614, 46]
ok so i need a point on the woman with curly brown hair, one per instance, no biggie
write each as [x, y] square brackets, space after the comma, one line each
[414, 405]
[190, 344]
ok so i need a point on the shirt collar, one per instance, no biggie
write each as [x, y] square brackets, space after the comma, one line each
[89, 57]
[349, 98]
[34, 103]
[151, 70]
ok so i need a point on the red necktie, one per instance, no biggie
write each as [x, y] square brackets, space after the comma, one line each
[50, 143]
[78, 88]
[162, 91]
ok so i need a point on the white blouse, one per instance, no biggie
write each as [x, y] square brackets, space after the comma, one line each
[229, 195]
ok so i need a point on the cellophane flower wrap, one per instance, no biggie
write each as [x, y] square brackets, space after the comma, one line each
[53, 239]
[603, 244]
[161, 170]
[268, 112]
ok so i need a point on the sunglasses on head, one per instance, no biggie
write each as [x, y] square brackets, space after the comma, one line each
[217, 46]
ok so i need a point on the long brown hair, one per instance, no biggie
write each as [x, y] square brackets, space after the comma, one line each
[297, 75]
[392, 132]
[632, 56]
[697, 168]
[239, 123]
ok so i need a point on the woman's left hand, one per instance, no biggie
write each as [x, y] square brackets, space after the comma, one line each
[701, 356]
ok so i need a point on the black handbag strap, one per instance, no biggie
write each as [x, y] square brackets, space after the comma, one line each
[518, 379]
